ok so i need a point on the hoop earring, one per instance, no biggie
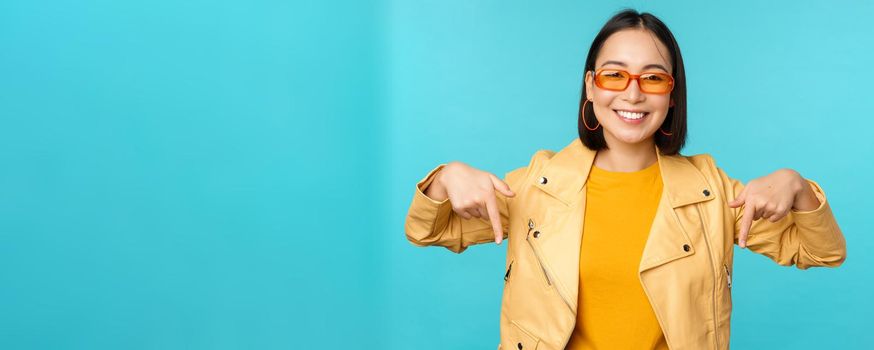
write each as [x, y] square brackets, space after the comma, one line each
[583, 116]
[665, 133]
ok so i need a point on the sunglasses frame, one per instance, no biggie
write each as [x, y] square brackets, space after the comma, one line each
[632, 77]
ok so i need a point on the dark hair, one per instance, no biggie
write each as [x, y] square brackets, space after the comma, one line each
[676, 118]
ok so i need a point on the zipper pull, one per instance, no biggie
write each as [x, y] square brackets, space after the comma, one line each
[507, 275]
[728, 275]
[531, 229]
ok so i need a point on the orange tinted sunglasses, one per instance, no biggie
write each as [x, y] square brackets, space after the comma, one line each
[649, 82]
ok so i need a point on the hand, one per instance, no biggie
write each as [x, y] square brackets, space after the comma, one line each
[471, 193]
[771, 197]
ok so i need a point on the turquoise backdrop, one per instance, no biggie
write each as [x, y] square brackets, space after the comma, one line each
[235, 174]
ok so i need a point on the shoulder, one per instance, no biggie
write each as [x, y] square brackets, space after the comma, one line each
[701, 161]
[707, 165]
[538, 160]
[541, 157]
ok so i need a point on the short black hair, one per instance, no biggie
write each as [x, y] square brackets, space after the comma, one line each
[676, 118]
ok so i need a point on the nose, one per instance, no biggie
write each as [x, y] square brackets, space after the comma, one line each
[632, 93]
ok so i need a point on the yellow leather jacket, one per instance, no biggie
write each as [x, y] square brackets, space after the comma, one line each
[686, 265]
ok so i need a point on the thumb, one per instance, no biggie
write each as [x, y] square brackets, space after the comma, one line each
[501, 186]
[739, 200]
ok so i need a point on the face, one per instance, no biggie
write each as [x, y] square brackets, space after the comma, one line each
[635, 51]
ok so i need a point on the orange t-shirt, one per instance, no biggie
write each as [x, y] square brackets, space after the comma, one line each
[613, 310]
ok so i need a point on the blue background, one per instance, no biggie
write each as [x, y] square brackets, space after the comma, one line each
[235, 174]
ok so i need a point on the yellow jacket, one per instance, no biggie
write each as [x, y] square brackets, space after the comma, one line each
[686, 265]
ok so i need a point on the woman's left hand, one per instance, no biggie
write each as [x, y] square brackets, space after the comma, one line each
[772, 197]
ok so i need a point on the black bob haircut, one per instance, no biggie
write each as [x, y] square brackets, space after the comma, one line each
[675, 121]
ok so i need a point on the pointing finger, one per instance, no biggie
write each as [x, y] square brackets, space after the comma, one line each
[757, 214]
[745, 224]
[495, 218]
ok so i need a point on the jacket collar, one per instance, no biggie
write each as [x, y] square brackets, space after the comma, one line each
[565, 175]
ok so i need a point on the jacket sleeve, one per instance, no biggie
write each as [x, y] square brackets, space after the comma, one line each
[801, 238]
[433, 223]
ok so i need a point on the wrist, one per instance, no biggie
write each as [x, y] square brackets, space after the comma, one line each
[799, 184]
[805, 198]
[436, 190]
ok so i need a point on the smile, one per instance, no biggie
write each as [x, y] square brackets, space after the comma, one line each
[631, 117]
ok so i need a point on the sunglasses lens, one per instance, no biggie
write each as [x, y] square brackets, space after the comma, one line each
[612, 80]
[656, 83]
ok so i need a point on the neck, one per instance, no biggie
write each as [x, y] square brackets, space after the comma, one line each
[626, 157]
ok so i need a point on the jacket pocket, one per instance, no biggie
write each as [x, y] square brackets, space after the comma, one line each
[521, 339]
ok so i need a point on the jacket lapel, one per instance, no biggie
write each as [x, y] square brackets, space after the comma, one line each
[564, 178]
[669, 238]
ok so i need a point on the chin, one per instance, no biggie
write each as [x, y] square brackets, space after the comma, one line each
[632, 137]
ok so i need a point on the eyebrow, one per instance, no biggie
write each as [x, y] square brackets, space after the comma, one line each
[622, 64]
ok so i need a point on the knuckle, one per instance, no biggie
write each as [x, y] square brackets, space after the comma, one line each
[760, 203]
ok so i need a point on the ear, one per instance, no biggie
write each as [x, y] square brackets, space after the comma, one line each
[589, 82]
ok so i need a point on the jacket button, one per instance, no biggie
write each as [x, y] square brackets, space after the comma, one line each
[536, 234]
[686, 247]
[706, 193]
[519, 345]
[543, 180]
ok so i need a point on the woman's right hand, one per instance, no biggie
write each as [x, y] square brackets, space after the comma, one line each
[471, 192]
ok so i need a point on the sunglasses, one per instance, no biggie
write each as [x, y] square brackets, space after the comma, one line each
[649, 82]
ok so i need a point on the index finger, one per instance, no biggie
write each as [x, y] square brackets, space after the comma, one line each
[495, 218]
[746, 223]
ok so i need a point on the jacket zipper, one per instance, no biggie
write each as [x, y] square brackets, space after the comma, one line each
[715, 279]
[536, 250]
[728, 275]
[507, 275]
[539, 260]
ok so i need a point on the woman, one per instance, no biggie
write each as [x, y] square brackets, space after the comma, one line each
[617, 241]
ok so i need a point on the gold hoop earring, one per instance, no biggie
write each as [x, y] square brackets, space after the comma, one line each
[583, 116]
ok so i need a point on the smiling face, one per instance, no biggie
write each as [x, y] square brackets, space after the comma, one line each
[630, 116]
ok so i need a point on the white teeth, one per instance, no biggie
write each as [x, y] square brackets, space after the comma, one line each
[630, 115]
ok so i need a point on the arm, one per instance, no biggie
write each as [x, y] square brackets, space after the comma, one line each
[430, 222]
[804, 238]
